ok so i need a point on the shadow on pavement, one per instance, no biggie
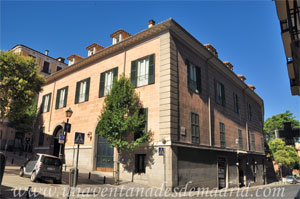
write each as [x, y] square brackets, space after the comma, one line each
[9, 193]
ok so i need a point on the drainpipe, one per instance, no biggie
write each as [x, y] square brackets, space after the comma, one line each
[51, 106]
[209, 105]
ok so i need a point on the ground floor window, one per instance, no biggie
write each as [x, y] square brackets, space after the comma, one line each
[140, 166]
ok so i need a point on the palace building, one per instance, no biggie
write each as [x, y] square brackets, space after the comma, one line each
[205, 120]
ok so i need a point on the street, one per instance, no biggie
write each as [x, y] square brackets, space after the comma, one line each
[14, 186]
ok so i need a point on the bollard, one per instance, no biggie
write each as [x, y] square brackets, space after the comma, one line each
[104, 179]
[89, 175]
[69, 191]
[28, 192]
[12, 161]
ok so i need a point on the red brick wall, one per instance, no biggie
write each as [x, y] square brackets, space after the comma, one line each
[198, 103]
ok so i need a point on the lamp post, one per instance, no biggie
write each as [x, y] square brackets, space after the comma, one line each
[69, 113]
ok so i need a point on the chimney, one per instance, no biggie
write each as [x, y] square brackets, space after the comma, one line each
[251, 87]
[211, 49]
[229, 65]
[242, 77]
[151, 23]
[46, 52]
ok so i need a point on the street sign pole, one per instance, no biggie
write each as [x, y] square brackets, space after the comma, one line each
[79, 139]
[76, 167]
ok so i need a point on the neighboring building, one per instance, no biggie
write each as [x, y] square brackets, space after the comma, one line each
[9, 137]
[48, 65]
[209, 122]
[288, 12]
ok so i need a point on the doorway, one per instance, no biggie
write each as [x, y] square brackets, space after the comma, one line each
[56, 146]
[105, 155]
[222, 175]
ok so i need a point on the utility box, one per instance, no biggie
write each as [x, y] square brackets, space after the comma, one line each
[71, 177]
[2, 166]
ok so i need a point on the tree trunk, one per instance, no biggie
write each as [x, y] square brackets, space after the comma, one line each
[117, 167]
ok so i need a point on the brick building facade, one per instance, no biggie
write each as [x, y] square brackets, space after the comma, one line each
[204, 115]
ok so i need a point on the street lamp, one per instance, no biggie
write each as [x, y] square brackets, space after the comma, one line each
[69, 113]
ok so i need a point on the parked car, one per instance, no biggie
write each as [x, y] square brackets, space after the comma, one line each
[42, 166]
[291, 180]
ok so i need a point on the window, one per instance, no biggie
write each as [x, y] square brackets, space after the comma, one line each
[106, 81]
[61, 98]
[193, 77]
[249, 112]
[236, 103]
[252, 141]
[140, 166]
[222, 135]
[82, 91]
[46, 67]
[195, 130]
[139, 134]
[58, 68]
[41, 136]
[92, 51]
[240, 139]
[72, 61]
[142, 71]
[45, 107]
[117, 39]
[220, 93]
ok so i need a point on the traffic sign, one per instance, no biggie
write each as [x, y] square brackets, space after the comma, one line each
[67, 127]
[61, 139]
[79, 138]
[161, 151]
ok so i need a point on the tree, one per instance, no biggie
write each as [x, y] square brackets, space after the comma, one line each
[20, 82]
[287, 155]
[276, 122]
[23, 121]
[122, 119]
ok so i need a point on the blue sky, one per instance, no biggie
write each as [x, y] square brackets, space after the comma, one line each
[246, 33]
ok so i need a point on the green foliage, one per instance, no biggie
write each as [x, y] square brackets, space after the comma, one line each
[287, 155]
[23, 120]
[276, 122]
[121, 117]
[20, 82]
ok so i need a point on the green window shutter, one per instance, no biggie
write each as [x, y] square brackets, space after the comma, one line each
[77, 92]
[48, 108]
[102, 82]
[187, 63]
[198, 78]
[57, 98]
[223, 94]
[42, 105]
[146, 119]
[116, 73]
[151, 73]
[133, 75]
[66, 96]
[87, 90]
